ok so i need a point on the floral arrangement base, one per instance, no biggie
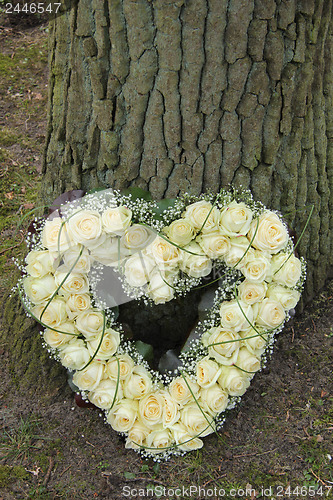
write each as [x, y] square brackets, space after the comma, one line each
[94, 253]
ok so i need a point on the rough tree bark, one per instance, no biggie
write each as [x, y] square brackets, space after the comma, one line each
[191, 95]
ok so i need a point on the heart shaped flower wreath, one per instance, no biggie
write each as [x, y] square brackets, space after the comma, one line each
[158, 251]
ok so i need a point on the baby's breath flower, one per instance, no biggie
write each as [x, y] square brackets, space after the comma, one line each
[78, 335]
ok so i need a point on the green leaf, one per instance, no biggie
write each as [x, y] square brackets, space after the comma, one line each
[156, 468]
[115, 311]
[146, 350]
[137, 192]
[145, 468]
[129, 475]
[96, 190]
[164, 205]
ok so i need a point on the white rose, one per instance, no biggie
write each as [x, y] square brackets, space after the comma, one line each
[54, 314]
[286, 272]
[203, 216]
[256, 266]
[158, 289]
[55, 339]
[235, 315]
[180, 391]
[180, 231]
[288, 298]
[85, 227]
[271, 235]
[136, 435]
[254, 342]
[136, 237]
[233, 381]
[138, 384]
[116, 220]
[237, 252]
[89, 378]
[184, 440]
[151, 409]
[215, 245]
[77, 303]
[109, 252]
[74, 355]
[207, 372]
[39, 289]
[72, 254]
[106, 394]
[247, 361]
[50, 235]
[213, 400]
[74, 282]
[235, 219]
[123, 415]
[193, 262]
[158, 441]
[197, 422]
[271, 313]
[39, 263]
[165, 254]
[119, 367]
[109, 345]
[223, 344]
[96, 243]
[170, 409]
[251, 293]
[137, 269]
[90, 323]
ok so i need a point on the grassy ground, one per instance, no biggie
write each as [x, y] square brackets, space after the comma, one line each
[23, 94]
[276, 444]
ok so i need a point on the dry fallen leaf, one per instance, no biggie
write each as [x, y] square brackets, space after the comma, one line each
[28, 206]
[9, 196]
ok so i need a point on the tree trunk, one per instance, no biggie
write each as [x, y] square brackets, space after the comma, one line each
[194, 95]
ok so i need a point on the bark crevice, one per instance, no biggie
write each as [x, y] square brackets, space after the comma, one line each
[193, 95]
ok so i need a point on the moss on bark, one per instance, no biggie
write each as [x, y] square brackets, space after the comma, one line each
[32, 369]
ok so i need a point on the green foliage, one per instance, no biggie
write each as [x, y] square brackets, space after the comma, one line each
[7, 137]
[18, 442]
[164, 205]
[151, 471]
[137, 192]
[129, 475]
[15, 68]
[9, 474]
[146, 350]
[23, 95]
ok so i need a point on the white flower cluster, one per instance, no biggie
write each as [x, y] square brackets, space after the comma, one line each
[154, 417]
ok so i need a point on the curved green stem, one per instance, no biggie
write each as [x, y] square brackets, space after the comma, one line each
[62, 282]
[298, 241]
[99, 345]
[38, 320]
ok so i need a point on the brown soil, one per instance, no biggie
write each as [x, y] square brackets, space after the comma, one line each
[280, 435]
